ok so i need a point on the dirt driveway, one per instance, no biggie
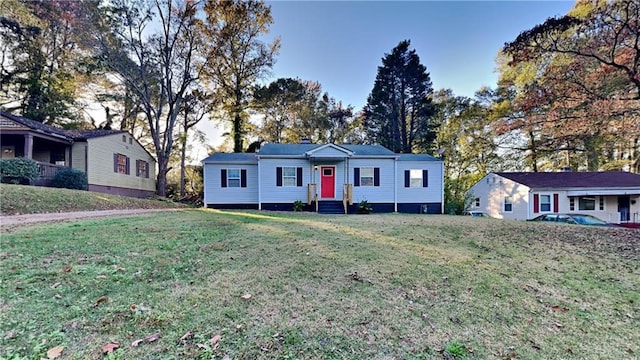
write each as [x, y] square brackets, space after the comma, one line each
[11, 223]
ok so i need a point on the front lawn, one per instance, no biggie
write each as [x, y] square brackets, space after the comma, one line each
[260, 285]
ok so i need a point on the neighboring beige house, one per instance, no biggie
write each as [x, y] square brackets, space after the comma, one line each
[613, 196]
[113, 160]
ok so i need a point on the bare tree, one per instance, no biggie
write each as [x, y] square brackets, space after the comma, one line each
[156, 61]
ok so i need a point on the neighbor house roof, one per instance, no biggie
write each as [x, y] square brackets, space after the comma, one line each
[52, 130]
[558, 180]
[301, 149]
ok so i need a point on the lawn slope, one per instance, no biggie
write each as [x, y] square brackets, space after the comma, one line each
[21, 199]
[204, 284]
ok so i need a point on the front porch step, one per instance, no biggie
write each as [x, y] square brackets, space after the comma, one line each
[330, 207]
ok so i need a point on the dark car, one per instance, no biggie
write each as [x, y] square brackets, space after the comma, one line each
[578, 219]
[476, 214]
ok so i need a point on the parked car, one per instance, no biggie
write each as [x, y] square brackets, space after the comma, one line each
[476, 214]
[577, 219]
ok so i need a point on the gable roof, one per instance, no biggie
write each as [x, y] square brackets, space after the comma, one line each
[301, 149]
[558, 180]
[52, 130]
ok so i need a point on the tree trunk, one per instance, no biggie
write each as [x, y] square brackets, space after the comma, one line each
[183, 156]
[237, 133]
[161, 182]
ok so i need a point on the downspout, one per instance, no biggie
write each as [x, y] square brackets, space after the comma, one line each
[395, 184]
[442, 188]
[529, 200]
[259, 186]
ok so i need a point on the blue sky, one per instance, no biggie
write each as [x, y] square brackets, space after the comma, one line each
[340, 44]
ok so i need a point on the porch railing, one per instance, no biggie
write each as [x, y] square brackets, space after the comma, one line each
[46, 173]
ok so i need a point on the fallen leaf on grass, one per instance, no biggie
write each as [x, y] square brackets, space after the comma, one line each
[54, 352]
[67, 269]
[100, 300]
[101, 276]
[215, 339]
[141, 307]
[559, 308]
[56, 285]
[150, 338]
[557, 324]
[110, 347]
[186, 336]
[246, 296]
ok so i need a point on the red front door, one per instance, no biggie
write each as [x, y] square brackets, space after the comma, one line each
[327, 182]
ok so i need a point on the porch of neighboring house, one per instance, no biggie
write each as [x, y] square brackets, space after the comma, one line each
[622, 208]
[52, 153]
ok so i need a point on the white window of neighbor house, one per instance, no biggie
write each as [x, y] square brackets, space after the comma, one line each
[508, 204]
[545, 202]
[587, 203]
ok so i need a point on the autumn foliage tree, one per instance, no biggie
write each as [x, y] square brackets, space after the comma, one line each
[238, 57]
[575, 87]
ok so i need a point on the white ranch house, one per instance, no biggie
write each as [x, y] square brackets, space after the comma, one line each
[327, 178]
[613, 196]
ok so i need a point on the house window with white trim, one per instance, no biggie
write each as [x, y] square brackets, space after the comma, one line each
[289, 176]
[415, 178]
[508, 204]
[233, 178]
[545, 203]
[572, 204]
[366, 176]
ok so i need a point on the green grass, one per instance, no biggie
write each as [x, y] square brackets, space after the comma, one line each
[21, 199]
[321, 287]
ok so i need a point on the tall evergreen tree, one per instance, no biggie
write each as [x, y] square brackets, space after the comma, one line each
[399, 108]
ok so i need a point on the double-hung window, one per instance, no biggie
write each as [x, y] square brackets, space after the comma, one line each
[366, 176]
[234, 178]
[508, 204]
[289, 176]
[142, 169]
[545, 203]
[121, 164]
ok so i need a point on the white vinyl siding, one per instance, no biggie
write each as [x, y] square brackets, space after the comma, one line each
[419, 194]
[271, 193]
[492, 191]
[384, 193]
[214, 193]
